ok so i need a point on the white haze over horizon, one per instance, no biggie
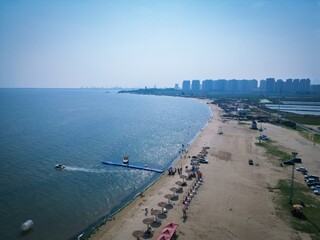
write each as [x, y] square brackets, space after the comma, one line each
[156, 43]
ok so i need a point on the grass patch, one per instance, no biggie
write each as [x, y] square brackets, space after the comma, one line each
[274, 150]
[311, 210]
[312, 137]
[304, 119]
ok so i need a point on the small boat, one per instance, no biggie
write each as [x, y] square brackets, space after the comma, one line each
[59, 166]
[27, 225]
[125, 159]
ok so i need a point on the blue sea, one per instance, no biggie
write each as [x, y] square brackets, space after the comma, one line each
[80, 128]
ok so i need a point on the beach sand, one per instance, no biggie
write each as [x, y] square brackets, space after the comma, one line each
[234, 201]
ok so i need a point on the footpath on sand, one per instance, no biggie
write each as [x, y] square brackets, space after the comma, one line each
[233, 202]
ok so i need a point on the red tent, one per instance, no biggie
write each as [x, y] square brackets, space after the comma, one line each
[168, 231]
[162, 237]
[172, 226]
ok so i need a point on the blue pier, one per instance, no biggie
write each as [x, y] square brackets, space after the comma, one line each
[133, 166]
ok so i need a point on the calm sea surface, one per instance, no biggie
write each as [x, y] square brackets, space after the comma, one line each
[81, 128]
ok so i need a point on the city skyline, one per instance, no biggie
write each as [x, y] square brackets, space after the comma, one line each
[268, 85]
[139, 44]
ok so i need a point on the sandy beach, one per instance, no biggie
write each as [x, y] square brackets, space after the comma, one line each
[234, 201]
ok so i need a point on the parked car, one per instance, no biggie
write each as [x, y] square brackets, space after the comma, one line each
[292, 161]
[250, 162]
[306, 177]
[203, 160]
[302, 169]
[313, 184]
[264, 137]
[315, 187]
[309, 180]
[194, 162]
[317, 191]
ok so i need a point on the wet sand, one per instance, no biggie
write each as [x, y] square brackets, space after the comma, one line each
[234, 201]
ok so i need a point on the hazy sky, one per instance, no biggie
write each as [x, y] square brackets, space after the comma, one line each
[135, 43]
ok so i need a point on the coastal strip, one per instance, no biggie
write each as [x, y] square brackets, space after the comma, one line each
[234, 201]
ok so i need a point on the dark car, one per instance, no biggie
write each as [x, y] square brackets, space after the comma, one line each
[302, 169]
[250, 162]
[307, 177]
[313, 183]
[292, 161]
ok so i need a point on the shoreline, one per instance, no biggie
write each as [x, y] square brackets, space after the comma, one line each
[107, 219]
[234, 201]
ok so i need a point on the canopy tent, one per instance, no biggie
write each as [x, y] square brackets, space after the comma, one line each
[171, 226]
[168, 231]
[166, 234]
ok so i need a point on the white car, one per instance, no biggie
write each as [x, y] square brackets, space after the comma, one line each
[203, 160]
[317, 191]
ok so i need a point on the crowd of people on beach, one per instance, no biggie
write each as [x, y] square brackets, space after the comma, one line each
[193, 174]
[191, 193]
[172, 171]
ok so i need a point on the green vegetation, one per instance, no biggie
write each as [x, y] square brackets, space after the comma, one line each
[311, 210]
[312, 137]
[303, 119]
[274, 150]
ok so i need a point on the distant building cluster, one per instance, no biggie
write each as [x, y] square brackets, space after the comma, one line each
[269, 85]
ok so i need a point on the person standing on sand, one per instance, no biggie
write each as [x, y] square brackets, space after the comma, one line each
[184, 210]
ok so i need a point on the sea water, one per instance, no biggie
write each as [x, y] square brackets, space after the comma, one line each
[81, 128]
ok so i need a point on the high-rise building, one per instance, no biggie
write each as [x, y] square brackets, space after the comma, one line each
[195, 85]
[279, 86]
[304, 85]
[207, 85]
[262, 85]
[270, 85]
[220, 85]
[295, 85]
[176, 86]
[243, 86]
[253, 85]
[288, 86]
[186, 85]
[232, 85]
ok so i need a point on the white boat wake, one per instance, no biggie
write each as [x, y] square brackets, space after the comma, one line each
[82, 169]
[92, 170]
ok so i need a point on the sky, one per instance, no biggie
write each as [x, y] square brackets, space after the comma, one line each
[147, 43]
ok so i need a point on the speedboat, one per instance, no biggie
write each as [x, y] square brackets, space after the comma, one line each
[125, 160]
[59, 166]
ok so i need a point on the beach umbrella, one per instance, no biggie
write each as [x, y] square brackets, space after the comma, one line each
[169, 196]
[155, 212]
[162, 204]
[148, 221]
[174, 189]
[179, 183]
[138, 234]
